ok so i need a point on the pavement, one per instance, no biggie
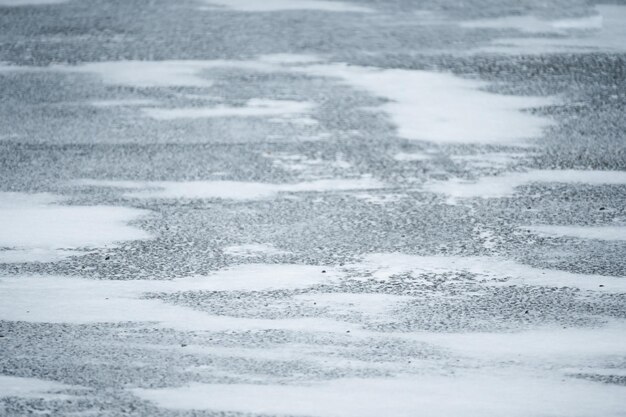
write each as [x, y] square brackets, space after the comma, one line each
[312, 208]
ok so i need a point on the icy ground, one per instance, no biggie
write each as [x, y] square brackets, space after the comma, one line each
[313, 208]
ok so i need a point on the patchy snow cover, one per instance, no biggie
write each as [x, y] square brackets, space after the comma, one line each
[504, 185]
[34, 228]
[278, 5]
[371, 304]
[444, 108]
[544, 346]
[123, 103]
[582, 232]
[609, 36]
[465, 394]
[415, 156]
[14, 386]
[532, 24]
[233, 190]
[252, 250]
[496, 271]
[285, 109]
[76, 300]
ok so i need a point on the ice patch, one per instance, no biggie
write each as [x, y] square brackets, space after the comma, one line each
[13, 386]
[253, 250]
[278, 5]
[285, 109]
[462, 395]
[492, 270]
[504, 185]
[233, 190]
[582, 232]
[443, 108]
[33, 228]
[610, 36]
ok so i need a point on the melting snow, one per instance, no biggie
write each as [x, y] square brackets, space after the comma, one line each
[13, 386]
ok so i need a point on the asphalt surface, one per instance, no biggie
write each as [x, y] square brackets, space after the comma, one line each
[449, 326]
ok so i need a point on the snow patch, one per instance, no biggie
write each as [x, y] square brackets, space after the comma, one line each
[233, 190]
[34, 228]
[279, 5]
[609, 36]
[493, 270]
[440, 107]
[532, 24]
[465, 394]
[13, 386]
[285, 109]
[504, 185]
[582, 232]
[14, 3]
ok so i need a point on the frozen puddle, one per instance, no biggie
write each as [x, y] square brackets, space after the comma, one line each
[231, 190]
[463, 395]
[278, 5]
[34, 227]
[581, 232]
[440, 107]
[13, 386]
[281, 109]
[605, 32]
[504, 185]
[492, 270]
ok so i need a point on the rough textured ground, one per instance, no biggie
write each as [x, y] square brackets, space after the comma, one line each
[329, 209]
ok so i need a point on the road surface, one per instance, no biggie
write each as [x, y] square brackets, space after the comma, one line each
[313, 208]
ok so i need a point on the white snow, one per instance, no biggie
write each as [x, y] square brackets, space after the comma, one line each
[532, 24]
[504, 185]
[444, 108]
[123, 103]
[252, 250]
[34, 228]
[471, 395]
[74, 300]
[494, 270]
[582, 232]
[547, 346]
[609, 36]
[231, 189]
[415, 156]
[253, 108]
[278, 5]
[14, 386]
